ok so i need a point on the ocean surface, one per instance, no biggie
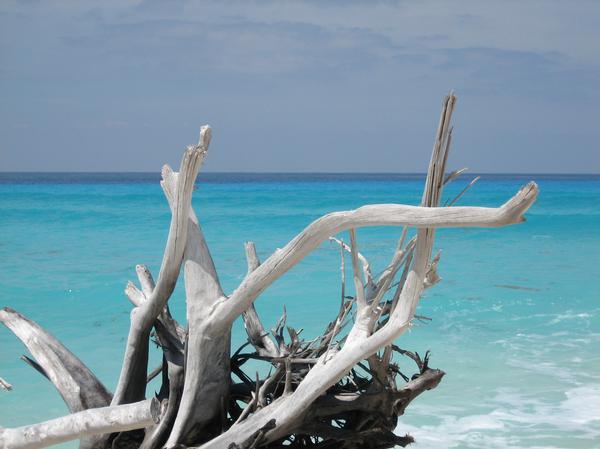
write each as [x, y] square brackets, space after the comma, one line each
[515, 321]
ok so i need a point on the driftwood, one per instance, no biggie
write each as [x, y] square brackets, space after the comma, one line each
[85, 423]
[343, 389]
[4, 385]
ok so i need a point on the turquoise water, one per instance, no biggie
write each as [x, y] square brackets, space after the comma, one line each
[523, 364]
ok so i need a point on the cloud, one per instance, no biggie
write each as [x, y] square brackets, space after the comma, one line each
[266, 67]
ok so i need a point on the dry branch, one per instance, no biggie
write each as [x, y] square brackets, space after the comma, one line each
[77, 385]
[131, 386]
[257, 335]
[207, 363]
[82, 424]
[320, 230]
[4, 385]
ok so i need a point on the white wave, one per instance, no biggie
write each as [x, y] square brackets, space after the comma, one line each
[569, 316]
[583, 405]
[514, 420]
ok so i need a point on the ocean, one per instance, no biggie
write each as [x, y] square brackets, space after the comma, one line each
[515, 322]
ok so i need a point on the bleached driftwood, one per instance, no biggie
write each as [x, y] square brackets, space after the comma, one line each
[131, 386]
[315, 394]
[207, 367]
[257, 334]
[77, 385]
[4, 385]
[85, 423]
[373, 215]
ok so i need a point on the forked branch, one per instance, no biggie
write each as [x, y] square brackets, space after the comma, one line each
[131, 386]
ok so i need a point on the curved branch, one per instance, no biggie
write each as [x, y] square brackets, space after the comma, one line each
[78, 386]
[372, 215]
[95, 421]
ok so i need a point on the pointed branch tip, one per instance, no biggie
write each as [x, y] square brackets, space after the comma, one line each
[205, 136]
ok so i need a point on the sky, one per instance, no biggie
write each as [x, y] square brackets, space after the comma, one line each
[314, 86]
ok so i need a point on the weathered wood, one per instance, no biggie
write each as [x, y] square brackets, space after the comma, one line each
[331, 405]
[372, 215]
[359, 286]
[77, 385]
[257, 334]
[169, 332]
[366, 266]
[171, 336]
[4, 385]
[131, 386]
[156, 436]
[82, 424]
[207, 360]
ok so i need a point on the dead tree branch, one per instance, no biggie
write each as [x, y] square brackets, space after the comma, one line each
[86, 423]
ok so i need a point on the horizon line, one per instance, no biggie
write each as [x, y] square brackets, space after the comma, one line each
[99, 172]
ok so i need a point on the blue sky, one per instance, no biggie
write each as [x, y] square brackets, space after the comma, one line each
[299, 86]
